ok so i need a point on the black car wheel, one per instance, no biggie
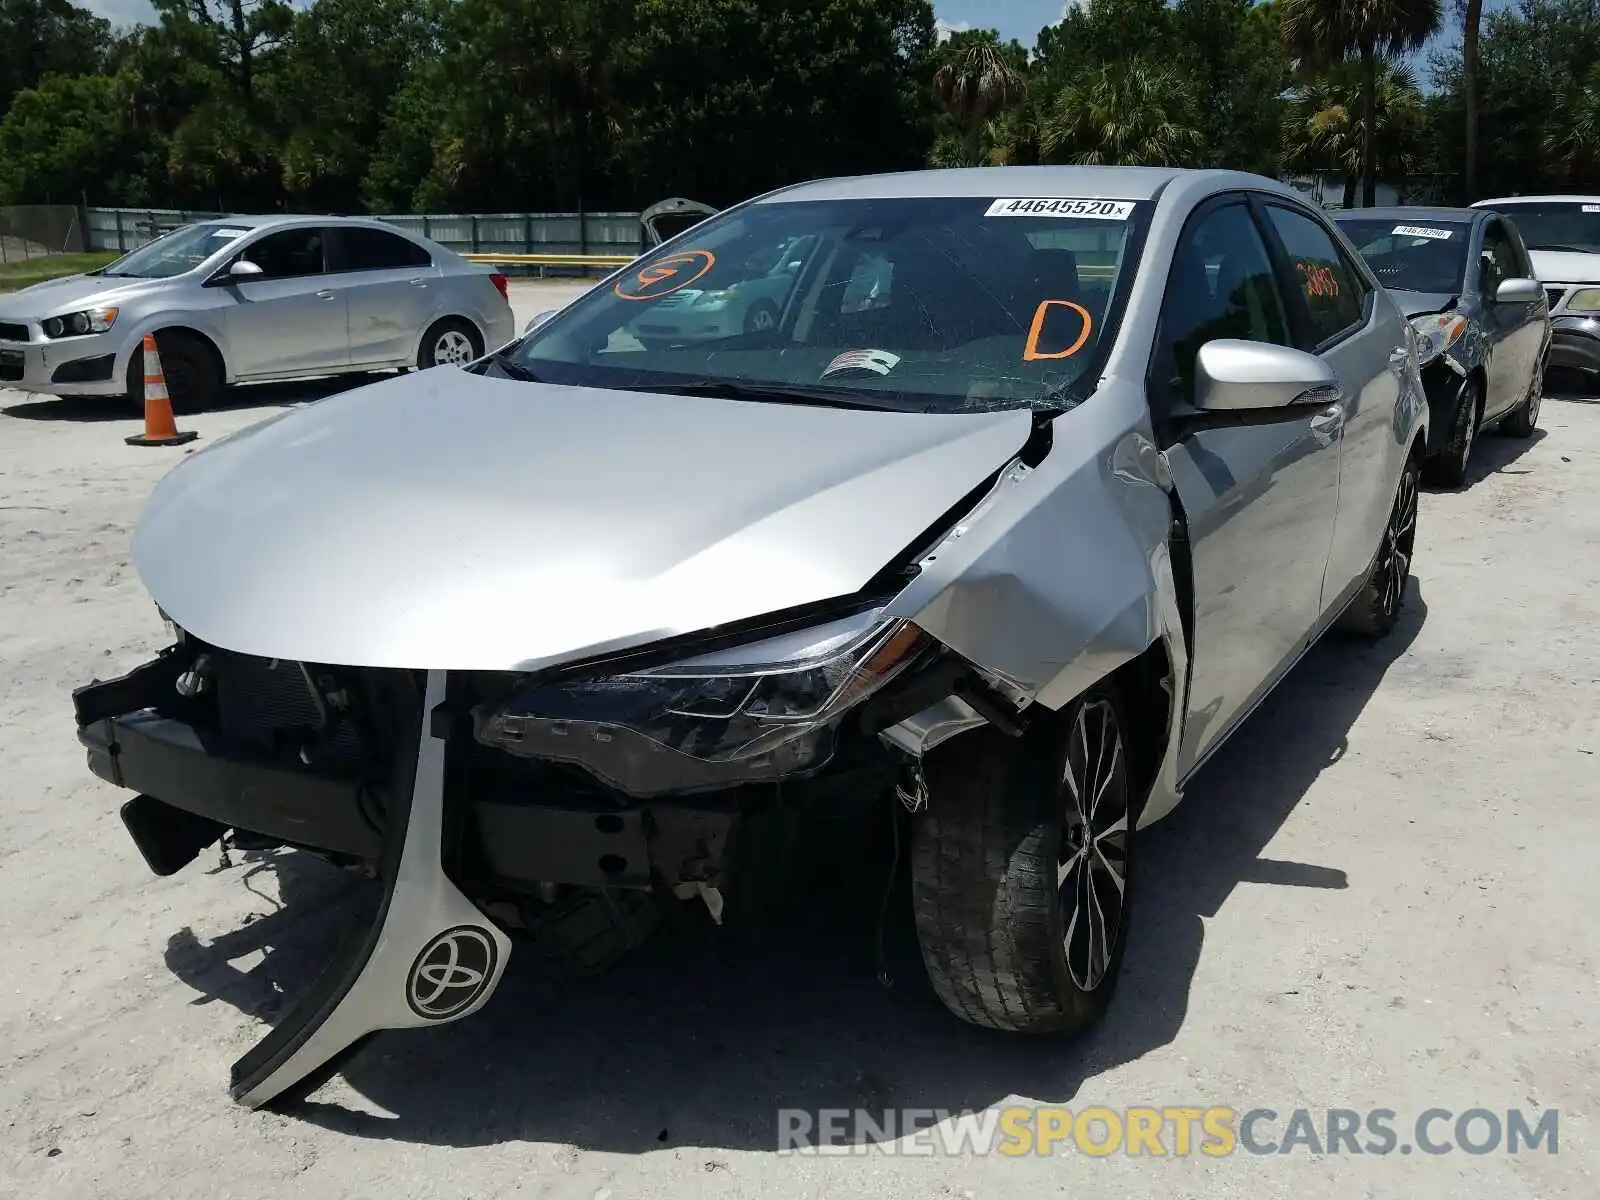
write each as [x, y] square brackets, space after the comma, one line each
[1524, 419]
[1376, 608]
[1449, 467]
[190, 367]
[1021, 870]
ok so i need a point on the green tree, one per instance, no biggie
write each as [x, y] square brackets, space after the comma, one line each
[1130, 112]
[977, 79]
[1324, 33]
[61, 139]
[1323, 124]
[1471, 24]
[47, 37]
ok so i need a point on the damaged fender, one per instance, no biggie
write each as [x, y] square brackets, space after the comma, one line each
[1105, 519]
[430, 956]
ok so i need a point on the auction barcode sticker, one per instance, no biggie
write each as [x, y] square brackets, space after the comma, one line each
[1422, 231]
[1099, 210]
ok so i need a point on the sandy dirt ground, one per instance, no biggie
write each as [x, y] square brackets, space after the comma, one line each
[1383, 894]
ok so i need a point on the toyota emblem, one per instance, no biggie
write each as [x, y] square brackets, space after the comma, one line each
[451, 973]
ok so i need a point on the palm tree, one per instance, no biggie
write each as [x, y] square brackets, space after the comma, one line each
[1322, 130]
[1574, 138]
[977, 81]
[1130, 112]
[1323, 33]
[1471, 19]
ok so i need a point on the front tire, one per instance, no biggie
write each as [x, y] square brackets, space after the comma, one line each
[190, 367]
[1021, 870]
[1449, 468]
[1376, 609]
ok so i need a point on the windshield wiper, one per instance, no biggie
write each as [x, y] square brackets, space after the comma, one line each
[773, 393]
[1561, 247]
[512, 367]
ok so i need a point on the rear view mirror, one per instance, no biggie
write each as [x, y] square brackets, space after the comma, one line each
[538, 320]
[1234, 376]
[1518, 291]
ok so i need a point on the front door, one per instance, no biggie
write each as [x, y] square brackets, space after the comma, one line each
[1513, 332]
[288, 320]
[1259, 497]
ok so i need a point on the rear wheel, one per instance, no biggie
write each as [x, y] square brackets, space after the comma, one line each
[1524, 419]
[452, 342]
[1376, 608]
[190, 367]
[1021, 870]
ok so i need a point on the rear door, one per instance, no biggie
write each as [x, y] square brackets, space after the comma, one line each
[389, 283]
[1260, 496]
[289, 320]
[1337, 318]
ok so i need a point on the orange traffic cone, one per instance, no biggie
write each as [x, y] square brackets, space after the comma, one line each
[160, 429]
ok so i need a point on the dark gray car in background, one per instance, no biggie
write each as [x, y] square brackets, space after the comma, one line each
[1464, 279]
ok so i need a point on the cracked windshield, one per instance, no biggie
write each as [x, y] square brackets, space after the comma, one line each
[955, 304]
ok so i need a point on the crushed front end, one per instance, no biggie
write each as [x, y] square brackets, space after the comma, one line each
[491, 801]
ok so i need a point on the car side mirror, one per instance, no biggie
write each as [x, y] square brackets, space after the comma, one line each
[538, 320]
[1519, 291]
[237, 273]
[1239, 376]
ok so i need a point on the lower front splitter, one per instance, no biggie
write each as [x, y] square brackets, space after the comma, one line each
[429, 957]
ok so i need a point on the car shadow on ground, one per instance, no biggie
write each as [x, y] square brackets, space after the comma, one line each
[233, 399]
[1495, 454]
[700, 1037]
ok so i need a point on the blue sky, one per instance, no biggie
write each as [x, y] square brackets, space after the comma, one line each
[1020, 19]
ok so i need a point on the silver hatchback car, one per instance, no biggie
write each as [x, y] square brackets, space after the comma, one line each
[1040, 480]
[252, 299]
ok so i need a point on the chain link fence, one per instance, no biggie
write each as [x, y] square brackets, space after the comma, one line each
[29, 231]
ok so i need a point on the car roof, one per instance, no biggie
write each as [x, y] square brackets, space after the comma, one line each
[1537, 200]
[1409, 212]
[1120, 183]
[286, 220]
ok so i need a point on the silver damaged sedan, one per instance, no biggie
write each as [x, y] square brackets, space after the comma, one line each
[1040, 480]
[249, 300]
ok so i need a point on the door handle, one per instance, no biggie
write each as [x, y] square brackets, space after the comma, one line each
[325, 294]
[421, 283]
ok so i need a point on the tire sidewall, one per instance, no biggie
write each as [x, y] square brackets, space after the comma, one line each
[430, 341]
[1083, 1007]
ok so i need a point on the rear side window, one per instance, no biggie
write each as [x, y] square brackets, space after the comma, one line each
[375, 250]
[1332, 290]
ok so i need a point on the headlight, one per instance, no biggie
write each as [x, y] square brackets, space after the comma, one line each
[1436, 333]
[1586, 300]
[94, 320]
[757, 712]
[709, 299]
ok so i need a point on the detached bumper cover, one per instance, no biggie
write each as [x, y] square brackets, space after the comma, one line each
[430, 955]
[1575, 342]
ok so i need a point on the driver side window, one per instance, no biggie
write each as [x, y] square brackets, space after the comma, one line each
[288, 254]
[1222, 285]
[1499, 262]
